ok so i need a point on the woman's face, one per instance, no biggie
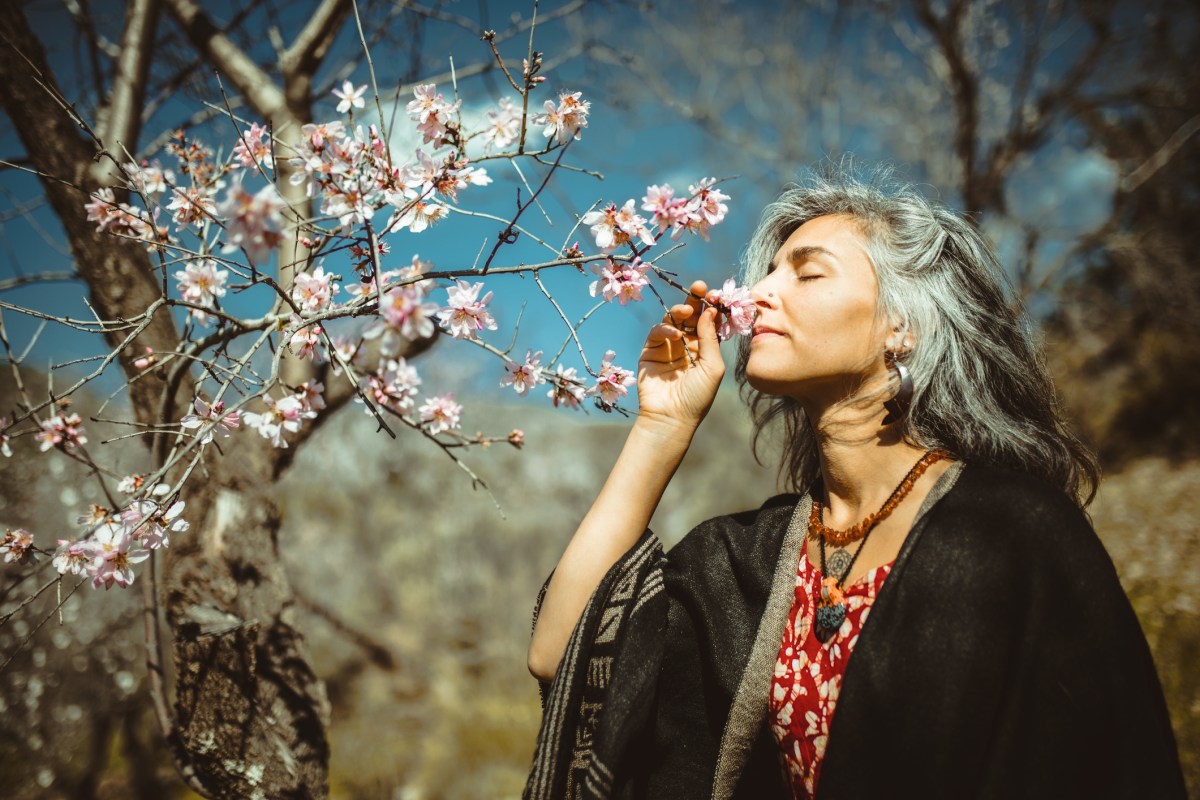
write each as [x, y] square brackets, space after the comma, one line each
[816, 337]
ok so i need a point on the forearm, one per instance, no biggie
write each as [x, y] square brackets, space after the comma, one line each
[615, 522]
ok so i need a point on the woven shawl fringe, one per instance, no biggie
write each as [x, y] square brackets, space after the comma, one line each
[583, 728]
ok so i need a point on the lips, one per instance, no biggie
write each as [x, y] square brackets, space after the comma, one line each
[764, 331]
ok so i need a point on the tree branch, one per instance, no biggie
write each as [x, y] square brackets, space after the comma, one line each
[964, 88]
[122, 119]
[312, 44]
[220, 51]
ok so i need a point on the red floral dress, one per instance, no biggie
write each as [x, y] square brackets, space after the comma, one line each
[808, 673]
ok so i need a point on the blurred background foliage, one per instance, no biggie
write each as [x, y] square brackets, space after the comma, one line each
[1068, 129]
[416, 596]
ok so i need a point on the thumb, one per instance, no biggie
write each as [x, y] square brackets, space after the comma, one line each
[706, 337]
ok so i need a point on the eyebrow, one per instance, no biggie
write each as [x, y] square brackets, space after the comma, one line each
[803, 253]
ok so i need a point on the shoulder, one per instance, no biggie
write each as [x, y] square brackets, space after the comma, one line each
[1012, 495]
[994, 516]
[991, 498]
[753, 535]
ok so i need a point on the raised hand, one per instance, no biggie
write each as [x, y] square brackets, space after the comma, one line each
[680, 367]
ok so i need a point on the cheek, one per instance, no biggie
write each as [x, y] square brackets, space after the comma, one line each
[849, 325]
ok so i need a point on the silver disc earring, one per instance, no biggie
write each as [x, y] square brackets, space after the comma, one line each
[897, 407]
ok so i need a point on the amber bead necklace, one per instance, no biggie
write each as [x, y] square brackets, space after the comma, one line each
[831, 608]
[817, 529]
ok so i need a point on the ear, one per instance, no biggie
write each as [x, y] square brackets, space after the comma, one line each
[901, 338]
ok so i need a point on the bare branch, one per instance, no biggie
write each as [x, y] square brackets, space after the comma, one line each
[122, 118]
[312, 44]
[255, 85]
[1161, 156]
[45, 277]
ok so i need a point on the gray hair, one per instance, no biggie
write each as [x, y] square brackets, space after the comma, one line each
[983, 391]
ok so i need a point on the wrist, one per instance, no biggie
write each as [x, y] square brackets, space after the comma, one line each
[665, 431]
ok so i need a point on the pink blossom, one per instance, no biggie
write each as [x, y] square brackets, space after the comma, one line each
[350, 204]
[131, 484]
[102, 208]
[314, 291]
[200, 282]
[122, 219]
[620, 281]
[516, 437]
[149, 359]
[393, 385]
[612, 383]
[150, 525]
[350, 97]
[563, 121]
[62, 430]
[193, 205]
[404, 315]
[738, 308]
[441, 413]
[254, 148]
[17, 547]
[614, 227]
[708, 206]
[148, 179]
[465, 176]
[304, 339]
[312, 396]
[282, 415]
[317, 159]
[414, 213]
[113, 553]
[566, 388]
[317, 136]
[349, 349]
[466, 315]
[424, 175]
[523, 377]
[5, 448]
[94, 516]
[416, 268]
[253, 222]
[431, 112]
[503, 125]
[669, 211]
[71, 557]
[213, 417]
[446, 177]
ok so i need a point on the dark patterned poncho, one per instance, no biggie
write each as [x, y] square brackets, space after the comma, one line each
[1002, 660]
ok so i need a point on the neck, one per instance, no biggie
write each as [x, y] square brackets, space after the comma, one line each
[861, 462]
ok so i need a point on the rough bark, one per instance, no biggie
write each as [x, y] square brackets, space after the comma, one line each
[251, 711]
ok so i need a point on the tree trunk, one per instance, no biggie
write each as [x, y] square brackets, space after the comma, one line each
[251, 712]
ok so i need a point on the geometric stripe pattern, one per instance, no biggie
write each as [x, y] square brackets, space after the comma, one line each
[567, 762]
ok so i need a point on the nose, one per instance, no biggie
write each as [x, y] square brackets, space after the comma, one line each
[762, 292]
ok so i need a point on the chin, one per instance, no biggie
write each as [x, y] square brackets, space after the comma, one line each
[767, 383]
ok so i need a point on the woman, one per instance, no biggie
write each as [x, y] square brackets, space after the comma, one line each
[939, 493]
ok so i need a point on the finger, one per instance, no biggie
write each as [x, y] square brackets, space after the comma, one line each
[663, 333]
[696, 295]
[706, 334]
[679, 315]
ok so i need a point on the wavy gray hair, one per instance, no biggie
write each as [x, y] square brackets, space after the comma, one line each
[983, 391]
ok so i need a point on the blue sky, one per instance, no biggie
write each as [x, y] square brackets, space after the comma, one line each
[639, 143]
